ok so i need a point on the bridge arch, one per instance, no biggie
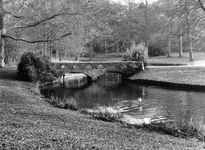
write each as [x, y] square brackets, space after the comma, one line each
[92, 73]
[96, 69]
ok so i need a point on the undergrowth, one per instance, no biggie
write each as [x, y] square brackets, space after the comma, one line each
[107, 114]
[64, 102]
[183, 129]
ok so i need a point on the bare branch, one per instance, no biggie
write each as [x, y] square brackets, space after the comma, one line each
[64, 25]
[12, 14]
[15, 16]
[34, 24]
[35, 41]
[6, 2]
[200, 3]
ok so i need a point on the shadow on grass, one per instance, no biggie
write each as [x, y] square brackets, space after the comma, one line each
[8, 74]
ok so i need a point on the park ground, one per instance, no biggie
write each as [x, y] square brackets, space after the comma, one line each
[27, 121]
[175, 71]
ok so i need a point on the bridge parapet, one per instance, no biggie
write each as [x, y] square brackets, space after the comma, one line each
[96, 69]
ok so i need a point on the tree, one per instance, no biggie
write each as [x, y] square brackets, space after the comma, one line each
[147, 29]
[168, 10]
[191, 18]
[91, 24]
[186, 23]
[24, 19]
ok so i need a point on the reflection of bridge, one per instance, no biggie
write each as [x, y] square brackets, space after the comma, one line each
[96, 69]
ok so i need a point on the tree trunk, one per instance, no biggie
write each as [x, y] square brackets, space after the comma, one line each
[191, 56]
[118, 47]
[91, 53]
[51, 55]
[79, 53]
[2, 54]
[60, 55]
[169, 42]
[181, 47]
[147, 31]
[105, 47]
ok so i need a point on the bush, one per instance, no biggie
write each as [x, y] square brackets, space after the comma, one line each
[135, 53]
[104, 113]
[156, 50]
[157, 45]
[64, 102]
[35, 68]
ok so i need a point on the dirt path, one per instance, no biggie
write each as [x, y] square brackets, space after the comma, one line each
[28, 122]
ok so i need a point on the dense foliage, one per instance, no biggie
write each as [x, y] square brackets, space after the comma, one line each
[35, 68]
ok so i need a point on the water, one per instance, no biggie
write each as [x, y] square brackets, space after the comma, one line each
[109, 90]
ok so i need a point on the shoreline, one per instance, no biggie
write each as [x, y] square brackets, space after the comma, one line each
[177, 76]
[167, 85]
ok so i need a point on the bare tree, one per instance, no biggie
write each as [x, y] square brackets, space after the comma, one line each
[22, 21]
[89, 25]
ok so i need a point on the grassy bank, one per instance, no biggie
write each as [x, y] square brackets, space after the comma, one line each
[191, 74]
[28, 122]
[173, 75]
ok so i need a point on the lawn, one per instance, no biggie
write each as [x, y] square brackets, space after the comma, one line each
[191, 74]
[198, 56]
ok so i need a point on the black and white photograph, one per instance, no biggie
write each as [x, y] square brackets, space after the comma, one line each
[102, 74]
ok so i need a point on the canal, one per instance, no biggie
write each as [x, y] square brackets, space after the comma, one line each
[175, 104]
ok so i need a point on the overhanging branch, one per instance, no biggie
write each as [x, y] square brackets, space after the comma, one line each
[35, 41]
[34, 24]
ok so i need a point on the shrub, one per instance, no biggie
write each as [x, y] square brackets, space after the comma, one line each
[104, 113]
[136, 52]
[156, 50]
[31, 73]
[157, 45]
[35, 68]
[64, 102]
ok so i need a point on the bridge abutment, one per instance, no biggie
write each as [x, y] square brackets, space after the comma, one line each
[94, 73]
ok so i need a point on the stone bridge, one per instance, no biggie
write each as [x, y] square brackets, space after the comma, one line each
[96, 69]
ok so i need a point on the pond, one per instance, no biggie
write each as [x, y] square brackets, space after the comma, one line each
[110, 89]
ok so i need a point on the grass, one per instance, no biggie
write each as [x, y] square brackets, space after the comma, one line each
[184, 129]
[104, 113]
[198, 56]
[173, 75]
[175, 59]
[64, 102]
[115, 114]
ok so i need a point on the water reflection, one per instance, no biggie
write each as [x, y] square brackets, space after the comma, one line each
[109, 90]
